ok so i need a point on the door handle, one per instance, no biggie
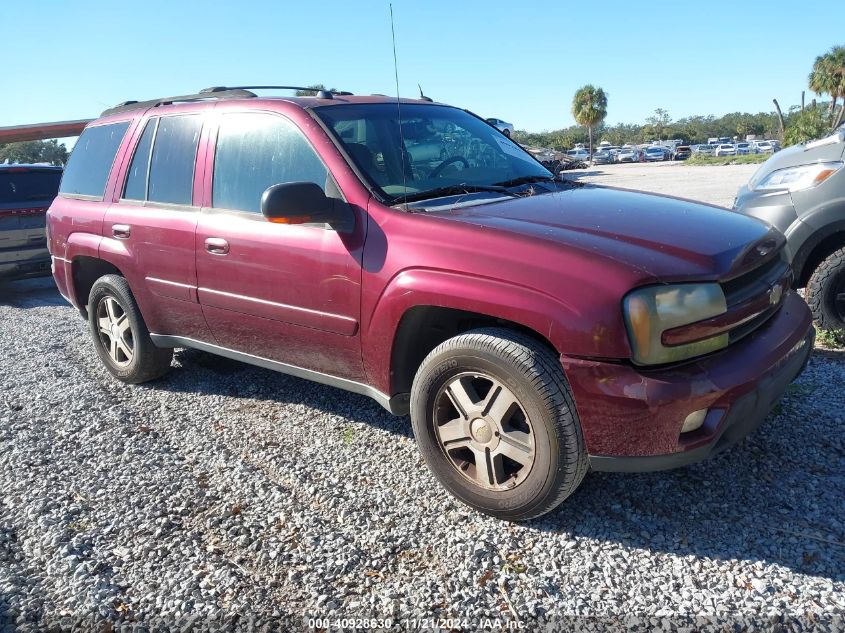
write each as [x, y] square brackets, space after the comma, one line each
[216, 246]
[121, 231]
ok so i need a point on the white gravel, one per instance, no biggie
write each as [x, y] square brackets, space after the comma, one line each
[225, 490]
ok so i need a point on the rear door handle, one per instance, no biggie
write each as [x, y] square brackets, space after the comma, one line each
[217, 246]
[121, 231]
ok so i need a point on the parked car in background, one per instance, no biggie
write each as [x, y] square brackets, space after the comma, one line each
[724, 149]
[801, 191]
[603, 157]
[26, 192]
[682, 152]
[503, 126]
[578, 153]
[763, 147]
[655, 153]
[775, 144]
[705, 149]
[233, 224]
[743, 148]
[628, 155]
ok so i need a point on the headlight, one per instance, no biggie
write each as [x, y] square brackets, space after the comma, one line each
[652, 310]
[798, 178]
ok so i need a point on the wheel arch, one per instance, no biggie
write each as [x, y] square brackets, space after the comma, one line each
[423, 327]
[85, 271]
[815, 251]
[420, 309]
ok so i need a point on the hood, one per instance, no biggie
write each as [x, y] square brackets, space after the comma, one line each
[668, 239]
[826, 149]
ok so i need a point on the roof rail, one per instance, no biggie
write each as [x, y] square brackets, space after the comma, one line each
[321, 94]
[222, 93]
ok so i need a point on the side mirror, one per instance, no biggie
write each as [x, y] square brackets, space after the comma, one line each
[303, 203]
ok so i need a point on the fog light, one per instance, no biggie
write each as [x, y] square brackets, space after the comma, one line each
[694, 421]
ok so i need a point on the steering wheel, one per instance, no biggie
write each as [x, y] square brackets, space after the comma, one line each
[453, 159]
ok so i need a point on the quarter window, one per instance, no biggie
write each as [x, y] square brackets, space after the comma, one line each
[256, 151]
[90, 162]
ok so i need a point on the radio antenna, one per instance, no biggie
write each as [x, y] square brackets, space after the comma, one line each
[398, 105]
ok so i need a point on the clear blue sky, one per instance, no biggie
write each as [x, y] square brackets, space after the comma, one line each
[520, 61]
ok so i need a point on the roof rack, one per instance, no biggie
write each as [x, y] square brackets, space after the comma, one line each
[217, 92]
[223, 93]
[321, 94]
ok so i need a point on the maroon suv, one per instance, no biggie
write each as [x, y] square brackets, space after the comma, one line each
[532, 327]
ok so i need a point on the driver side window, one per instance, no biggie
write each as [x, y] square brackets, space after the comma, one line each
[256, 150]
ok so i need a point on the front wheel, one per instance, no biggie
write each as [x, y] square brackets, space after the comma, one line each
[826, 292]
[495, 421]
[120, 335]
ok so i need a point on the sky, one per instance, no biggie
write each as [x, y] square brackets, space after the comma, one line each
[518, 61]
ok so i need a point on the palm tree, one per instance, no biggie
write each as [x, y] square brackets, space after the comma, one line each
[828, 77]
[589, 107]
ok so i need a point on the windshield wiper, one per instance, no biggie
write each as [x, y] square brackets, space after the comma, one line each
[450, 190]
[524, 180]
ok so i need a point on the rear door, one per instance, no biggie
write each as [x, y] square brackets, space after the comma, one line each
[25, 195]
[289, 293]
[152, 224]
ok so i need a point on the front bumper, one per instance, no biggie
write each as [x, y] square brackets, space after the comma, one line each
[631, 418]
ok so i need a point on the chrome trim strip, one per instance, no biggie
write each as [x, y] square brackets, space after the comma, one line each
[170, 283]
[348, 328]
[397, 405]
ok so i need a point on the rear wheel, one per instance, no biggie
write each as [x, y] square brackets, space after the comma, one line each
[120, 335]
[495, 422]
[826, 292]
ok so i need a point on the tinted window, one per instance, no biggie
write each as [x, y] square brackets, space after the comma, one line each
[90, 162]
[28, 186]
[256, 151]
[136, 181]
[171, 176]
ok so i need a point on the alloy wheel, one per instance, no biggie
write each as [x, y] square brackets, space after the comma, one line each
[115, 331]
[484, 431]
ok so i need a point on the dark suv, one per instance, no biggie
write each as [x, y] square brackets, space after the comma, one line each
[25, 193]
[532, 327]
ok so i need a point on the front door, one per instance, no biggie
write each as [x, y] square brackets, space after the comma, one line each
[288, 293]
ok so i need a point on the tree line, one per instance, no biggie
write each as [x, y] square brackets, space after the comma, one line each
[692, 129]
[799, 124]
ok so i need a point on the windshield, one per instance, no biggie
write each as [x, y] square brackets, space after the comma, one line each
[440, 146]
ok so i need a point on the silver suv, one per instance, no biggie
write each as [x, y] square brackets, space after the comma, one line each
[801, 190]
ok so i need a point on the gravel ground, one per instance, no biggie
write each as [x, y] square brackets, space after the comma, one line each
[226, 490]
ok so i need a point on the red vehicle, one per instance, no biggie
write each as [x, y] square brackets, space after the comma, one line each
[532, 327]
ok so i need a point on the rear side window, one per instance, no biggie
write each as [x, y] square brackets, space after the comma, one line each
[256, 151]
[171, 177]
[90, 162]
[22, 187]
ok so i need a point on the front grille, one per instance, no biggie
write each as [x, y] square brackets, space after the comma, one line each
[756, 288]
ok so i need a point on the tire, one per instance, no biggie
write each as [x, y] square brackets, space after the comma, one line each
[541, 416]
[120, 335]
[826, 284]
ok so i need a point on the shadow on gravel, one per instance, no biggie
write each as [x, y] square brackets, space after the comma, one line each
[765, 499]
[222, 376]
[30, 293]
[777, 497]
